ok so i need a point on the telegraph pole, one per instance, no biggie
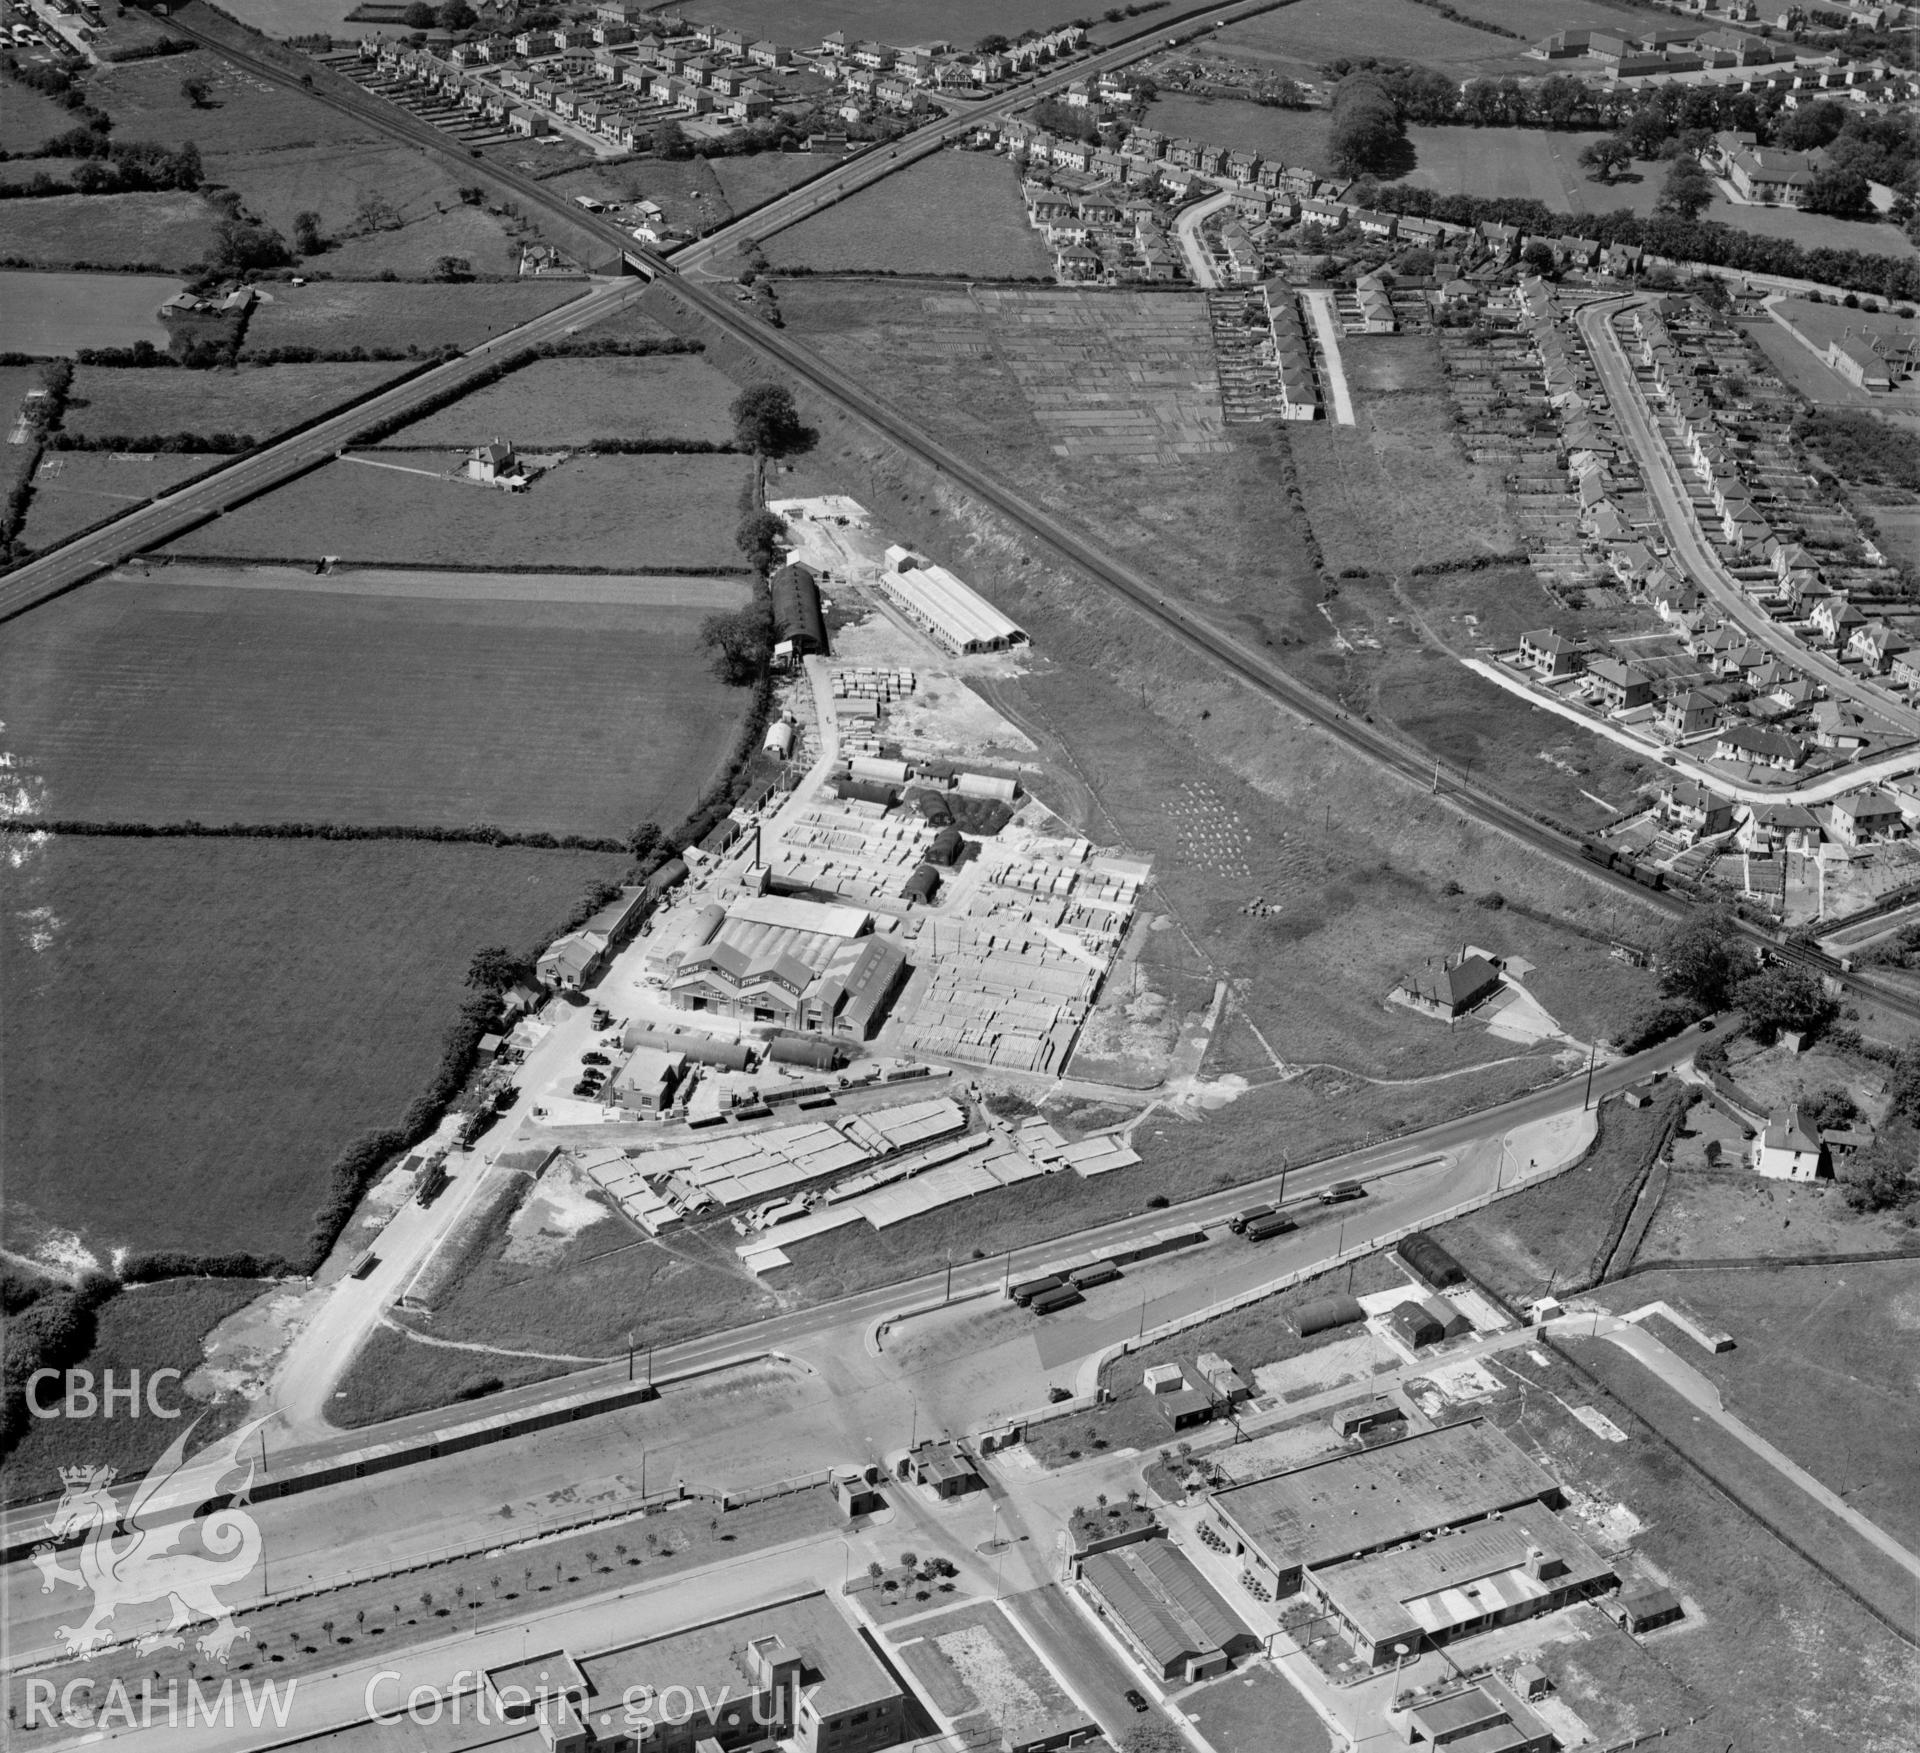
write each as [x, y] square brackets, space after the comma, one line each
[1586, 1101]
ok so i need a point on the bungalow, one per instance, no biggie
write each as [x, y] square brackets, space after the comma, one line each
[1694, 811]
[1865, 818]
[1551, 654]
[1759, 747]
[1839, 726]
[1790, 1149]
[1631, 562]
[1689, 712]
[1621, 686]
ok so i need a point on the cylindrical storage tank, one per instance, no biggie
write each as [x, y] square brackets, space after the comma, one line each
[1326, 1312]
[779, 739]
[809, 1050]
[1432, 1262]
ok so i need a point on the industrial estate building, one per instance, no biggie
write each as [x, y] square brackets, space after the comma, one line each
[1414, 1543]
[1164, 1610]
[796, 1672]
[938, 604]
[793, 964]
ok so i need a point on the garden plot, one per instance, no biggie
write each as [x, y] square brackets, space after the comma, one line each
[1117, 375]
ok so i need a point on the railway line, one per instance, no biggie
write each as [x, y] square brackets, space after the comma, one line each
[1243, 662]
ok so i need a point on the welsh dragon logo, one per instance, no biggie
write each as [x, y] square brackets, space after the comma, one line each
[146, 1566]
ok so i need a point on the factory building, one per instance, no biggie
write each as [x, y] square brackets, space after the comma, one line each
[936, 602]
[1164, 1610]
[1353, 1505]
[791, 964]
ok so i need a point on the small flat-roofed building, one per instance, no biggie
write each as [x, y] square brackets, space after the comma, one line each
[1487, 1717]
[1352, 1505]
[1643, 1607]
[946, 1469]
[1184, 1408]
[1164, 1610]
[1491, 1572]
[648, 1080]
[797, 1672]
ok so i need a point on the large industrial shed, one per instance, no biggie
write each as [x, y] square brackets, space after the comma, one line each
[1165, 1610]
[958, 617]
[1352, 1505]
[798, 622]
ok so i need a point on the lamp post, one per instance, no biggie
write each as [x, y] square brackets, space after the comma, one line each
[1399, 1660]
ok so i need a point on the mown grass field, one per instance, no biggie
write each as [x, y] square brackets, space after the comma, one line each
[617, 513]
[242, 113]
[1788, 1663]
[145, 1328]
[338, 314]
[162, 230]
[750, 180]
[567, 401]
[49, 314]
[107, 402]
[953, 213]
[532, 703]
[74, 489]
[193, 1030]
[1821, 1365]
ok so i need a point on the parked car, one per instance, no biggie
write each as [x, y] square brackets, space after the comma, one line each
[1133, 1698]
[595, 1058]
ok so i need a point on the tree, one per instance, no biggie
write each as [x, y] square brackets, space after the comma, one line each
[197, 92]
[1810, 126]
[1701, 959]
[1688, 190]
[993, 44]
[669, 140]
[741, 643]
[766, 422]
[1367, 132]
[494, 969]
[376, 213]
[1538, 257]
[418, 16]
[452, 268]
[1606, 157]
[644, 841]
[1828, 1108]
[307, 238]
[1840, 193]
[1782, 998]
[456, 15]
[242, 246]
[1881, 1176]
[758, 538]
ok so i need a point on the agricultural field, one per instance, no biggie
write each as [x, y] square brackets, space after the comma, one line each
[907, 21]
[260, 399]
[598, 513]
[568, 401]
[956, 213]
[73, 490]
[750, 180]
[1310, 33]
[194, 1029]
[380, 206]
[53, 314]
[242, 114]
[27, 118]
[332, 314]
[17, 173]
[533, 702]
[153, 230]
